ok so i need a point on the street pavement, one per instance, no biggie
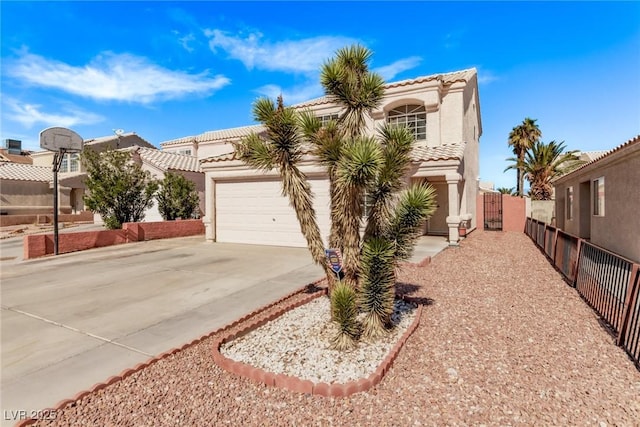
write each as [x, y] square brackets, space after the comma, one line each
[73, 320]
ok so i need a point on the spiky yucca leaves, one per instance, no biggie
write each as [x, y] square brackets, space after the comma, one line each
[377, 289]
[327, 141]
[397, 142]
[282, 150]
[415, 205]
[359, 164]
[348, 82]
[344, 311]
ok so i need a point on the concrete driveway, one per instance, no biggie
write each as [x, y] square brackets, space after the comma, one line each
[73, 320]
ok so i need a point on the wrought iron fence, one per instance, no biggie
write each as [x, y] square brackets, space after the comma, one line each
[566, 256]
[549, 240]
[603, 279]
[606, 281]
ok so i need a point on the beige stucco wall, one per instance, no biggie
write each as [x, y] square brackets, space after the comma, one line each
[618, 229]
[544, 210]
[26, 197]
[470, 167]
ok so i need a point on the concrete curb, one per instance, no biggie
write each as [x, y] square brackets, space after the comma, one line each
[298, 385]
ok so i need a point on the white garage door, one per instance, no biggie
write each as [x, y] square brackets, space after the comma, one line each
[255, 212]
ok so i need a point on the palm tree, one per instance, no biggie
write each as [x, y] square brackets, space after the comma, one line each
[521, 138]
[505, 190]
[544, 162]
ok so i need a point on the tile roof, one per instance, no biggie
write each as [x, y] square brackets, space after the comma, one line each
[24, 172]
[217, 135]
[165, 160]
[24, 157]
[446, 78]
[439, 152]
[632, 142]
[589, 156]
[130, 137]
[419, 154]
[239, 132]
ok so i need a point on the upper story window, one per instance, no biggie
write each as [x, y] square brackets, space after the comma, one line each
[598, 196]
[412, 116]
[185, 151]
[327, 118]
[70, 162]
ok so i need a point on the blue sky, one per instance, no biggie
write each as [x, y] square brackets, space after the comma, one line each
[171, 69]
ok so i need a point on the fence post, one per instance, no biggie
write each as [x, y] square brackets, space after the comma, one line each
[554, 246]
[576, 267]
[629, 303]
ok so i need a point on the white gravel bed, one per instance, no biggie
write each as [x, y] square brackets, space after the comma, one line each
[502, 341]
[298, 344]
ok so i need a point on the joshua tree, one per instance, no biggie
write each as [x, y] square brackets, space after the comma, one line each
[357, 166]
[542, 163]
[521, 138]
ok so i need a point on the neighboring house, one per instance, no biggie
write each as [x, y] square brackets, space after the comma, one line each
[12, 152]
[24, 189]
[600, 200]
[246, 206]
[158, 163]
[72, 173]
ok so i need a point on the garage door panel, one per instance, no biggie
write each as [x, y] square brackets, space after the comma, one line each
[255, 212]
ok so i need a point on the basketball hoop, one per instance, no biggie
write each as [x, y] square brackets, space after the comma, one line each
[61, 141]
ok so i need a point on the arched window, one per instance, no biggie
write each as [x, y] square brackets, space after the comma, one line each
[412, 116]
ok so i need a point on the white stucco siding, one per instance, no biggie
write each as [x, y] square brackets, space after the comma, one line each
[255, 212]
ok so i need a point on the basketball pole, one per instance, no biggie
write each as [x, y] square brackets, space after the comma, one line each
[57, 161]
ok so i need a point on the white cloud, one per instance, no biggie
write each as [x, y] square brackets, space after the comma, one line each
[184, 41]
[31, 114]
[300, 56]
[109, 76]
[388, 72]
[294, 95]
[485, 77]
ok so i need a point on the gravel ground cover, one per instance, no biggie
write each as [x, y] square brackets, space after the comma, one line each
[502, 341]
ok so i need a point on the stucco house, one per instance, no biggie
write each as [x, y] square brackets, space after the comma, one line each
[158, 163]
[246, 206]
[25, 189]
[72, 173]
[28, 189]
[600, 200]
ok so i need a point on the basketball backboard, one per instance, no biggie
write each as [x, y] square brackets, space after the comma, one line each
[57, 138]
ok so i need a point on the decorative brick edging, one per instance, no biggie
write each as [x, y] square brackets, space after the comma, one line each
[305, 386]
[140, 366]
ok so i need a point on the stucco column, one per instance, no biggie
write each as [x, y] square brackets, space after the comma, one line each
[453, 220]
[209, 219]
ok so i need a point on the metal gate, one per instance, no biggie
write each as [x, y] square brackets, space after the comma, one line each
[492, 211]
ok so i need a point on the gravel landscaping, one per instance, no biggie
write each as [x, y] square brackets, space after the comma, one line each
[502, 341]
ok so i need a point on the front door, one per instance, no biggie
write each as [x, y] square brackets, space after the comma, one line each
[437, 224]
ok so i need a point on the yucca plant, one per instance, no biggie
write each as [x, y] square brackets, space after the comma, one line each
[282, 150]
[377, 291]
[357, 166]
[416, 204]
[344, 311]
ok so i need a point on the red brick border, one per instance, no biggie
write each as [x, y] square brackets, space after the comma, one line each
[254, 320]
[299, 385]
